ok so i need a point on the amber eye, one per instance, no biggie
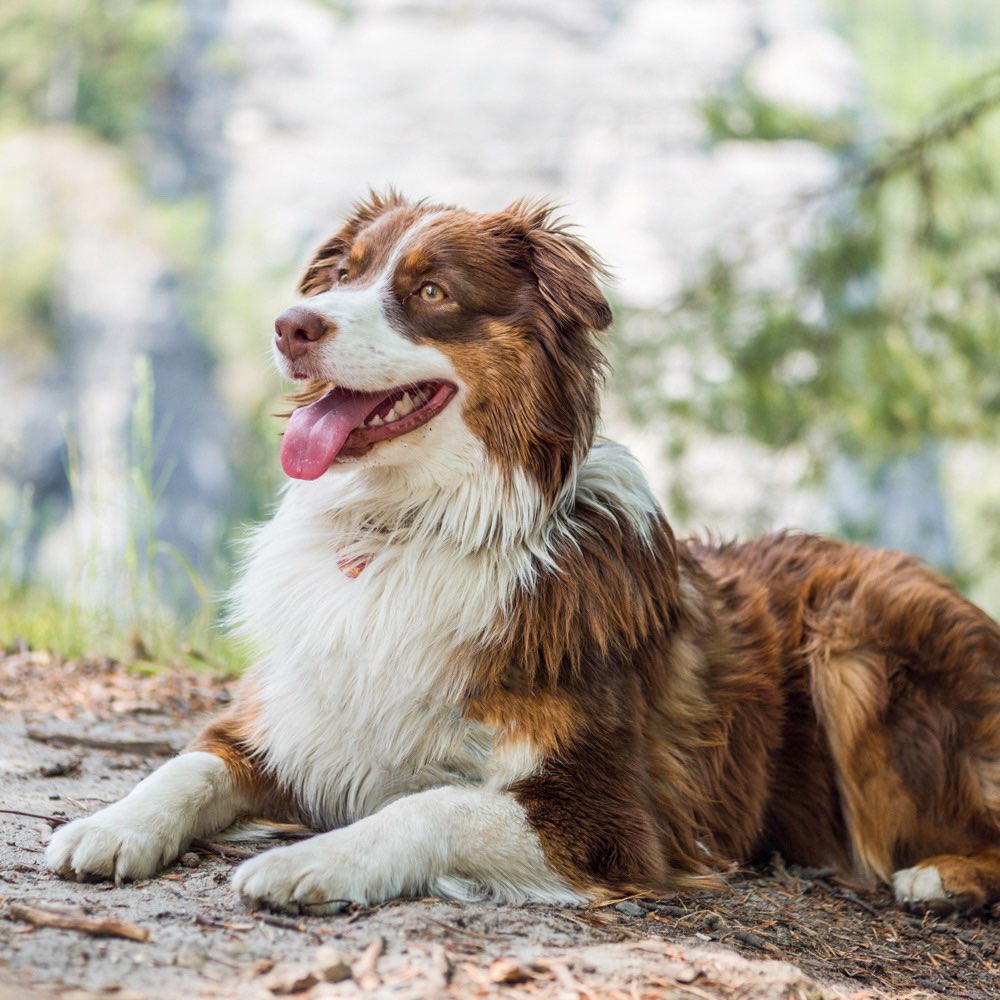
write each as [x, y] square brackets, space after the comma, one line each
[431, 293]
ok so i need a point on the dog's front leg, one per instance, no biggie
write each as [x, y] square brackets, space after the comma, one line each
[189, 796]
[198, 793]
[453, 841]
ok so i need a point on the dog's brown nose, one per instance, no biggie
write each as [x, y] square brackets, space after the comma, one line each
[297, 329]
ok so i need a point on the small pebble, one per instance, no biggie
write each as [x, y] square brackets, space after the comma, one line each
[288, 979]
[58, 768]
[331, 966]
[630, 909]
[190, 860]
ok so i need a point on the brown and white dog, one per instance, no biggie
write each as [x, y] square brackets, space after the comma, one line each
[487, 667]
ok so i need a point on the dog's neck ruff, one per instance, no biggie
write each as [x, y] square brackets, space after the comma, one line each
[380, 649]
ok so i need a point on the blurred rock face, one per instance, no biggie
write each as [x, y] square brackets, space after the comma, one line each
[595, 103]
[73, 407]
[279, 116]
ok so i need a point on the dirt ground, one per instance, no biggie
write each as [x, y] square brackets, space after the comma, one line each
[78, 735]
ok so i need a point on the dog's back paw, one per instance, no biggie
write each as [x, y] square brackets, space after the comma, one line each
[949, 883]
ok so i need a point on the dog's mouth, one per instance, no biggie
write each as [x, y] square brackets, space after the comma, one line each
[345, 424]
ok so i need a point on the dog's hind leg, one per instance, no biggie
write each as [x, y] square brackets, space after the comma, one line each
[950, 882]
[911, 715]
[964, 875]
[851, 694]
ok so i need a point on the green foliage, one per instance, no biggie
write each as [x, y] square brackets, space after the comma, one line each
[889, 334]
[37, 618]
[26, 281]
[736, 112]
[886, 336]
[93, 62]
[912, 51]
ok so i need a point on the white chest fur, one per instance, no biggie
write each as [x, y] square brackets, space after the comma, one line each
[360, 677]
[357, 675]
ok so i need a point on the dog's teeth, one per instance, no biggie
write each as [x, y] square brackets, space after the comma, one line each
[404, 405]
[391, 415]
[375, 421]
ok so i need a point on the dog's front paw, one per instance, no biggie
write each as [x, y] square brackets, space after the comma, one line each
[320, 875]
[119, 843]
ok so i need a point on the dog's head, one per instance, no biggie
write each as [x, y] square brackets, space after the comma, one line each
[426, 330]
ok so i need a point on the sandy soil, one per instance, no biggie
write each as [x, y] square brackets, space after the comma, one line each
[78, 735]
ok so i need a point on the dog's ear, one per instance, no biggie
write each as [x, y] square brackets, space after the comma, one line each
[363, 213]
[566, 270]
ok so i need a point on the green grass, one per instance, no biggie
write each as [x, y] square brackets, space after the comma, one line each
[38, 619]
[115, 603]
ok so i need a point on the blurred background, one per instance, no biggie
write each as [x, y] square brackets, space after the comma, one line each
[798, 199]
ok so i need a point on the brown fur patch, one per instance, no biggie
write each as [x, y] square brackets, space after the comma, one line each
[383, 219]
[735, 700]
[230, 737]
[523, 302]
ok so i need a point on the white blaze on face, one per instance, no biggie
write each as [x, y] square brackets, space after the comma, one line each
[368, 353]
[365, 358]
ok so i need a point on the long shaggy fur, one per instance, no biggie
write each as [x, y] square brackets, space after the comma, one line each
[485, 664]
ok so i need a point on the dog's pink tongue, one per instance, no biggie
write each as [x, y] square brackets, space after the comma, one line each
[316, 433]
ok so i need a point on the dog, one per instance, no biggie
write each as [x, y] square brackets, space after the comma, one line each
[488, 669]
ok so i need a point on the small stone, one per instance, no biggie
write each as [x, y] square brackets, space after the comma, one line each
[288, 979]
[330, 965]
[630, 909]
[506, 970]
[60, 767]
[190, 860]
[686, 974]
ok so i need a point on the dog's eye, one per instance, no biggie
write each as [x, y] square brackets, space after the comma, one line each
[431, 293]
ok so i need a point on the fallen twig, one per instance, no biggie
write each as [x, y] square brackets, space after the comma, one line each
[615, 931]
[439, 972]
[204, 921]
[285, 923]
[94, 926]
[155, 747]
[851, 897]
[455, 929]
[363, 970]
[52, 820]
